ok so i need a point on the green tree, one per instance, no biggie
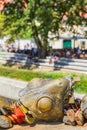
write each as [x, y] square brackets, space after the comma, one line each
[2, 18]
[40, 17]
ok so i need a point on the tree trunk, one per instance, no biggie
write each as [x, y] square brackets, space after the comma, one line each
[35, 35]
[40, 45]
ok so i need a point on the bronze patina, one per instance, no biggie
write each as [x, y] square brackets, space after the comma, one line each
[45, 98]
[42, 99]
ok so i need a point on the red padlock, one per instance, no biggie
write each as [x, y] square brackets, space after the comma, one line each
[18, 112]
[18, 115]
[17, 119]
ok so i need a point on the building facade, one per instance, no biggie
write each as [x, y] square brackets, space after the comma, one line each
[69, 40]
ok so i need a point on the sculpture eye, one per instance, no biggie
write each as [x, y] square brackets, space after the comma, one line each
[45, 104]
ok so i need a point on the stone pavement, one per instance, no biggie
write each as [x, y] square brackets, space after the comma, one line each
[48, 126]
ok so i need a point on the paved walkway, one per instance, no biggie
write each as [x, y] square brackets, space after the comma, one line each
[48, 126]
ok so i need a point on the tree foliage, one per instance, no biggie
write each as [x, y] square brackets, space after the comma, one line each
[40, 17]
[2, 18]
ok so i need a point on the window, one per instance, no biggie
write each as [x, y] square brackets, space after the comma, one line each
[82, 45]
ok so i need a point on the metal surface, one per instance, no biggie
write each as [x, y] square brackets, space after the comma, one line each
[42, 99]
[45, 98]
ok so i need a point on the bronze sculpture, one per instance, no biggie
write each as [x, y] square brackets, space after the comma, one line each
[42, 99]
[45, 98]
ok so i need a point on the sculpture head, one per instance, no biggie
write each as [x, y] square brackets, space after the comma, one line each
[45, 98]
